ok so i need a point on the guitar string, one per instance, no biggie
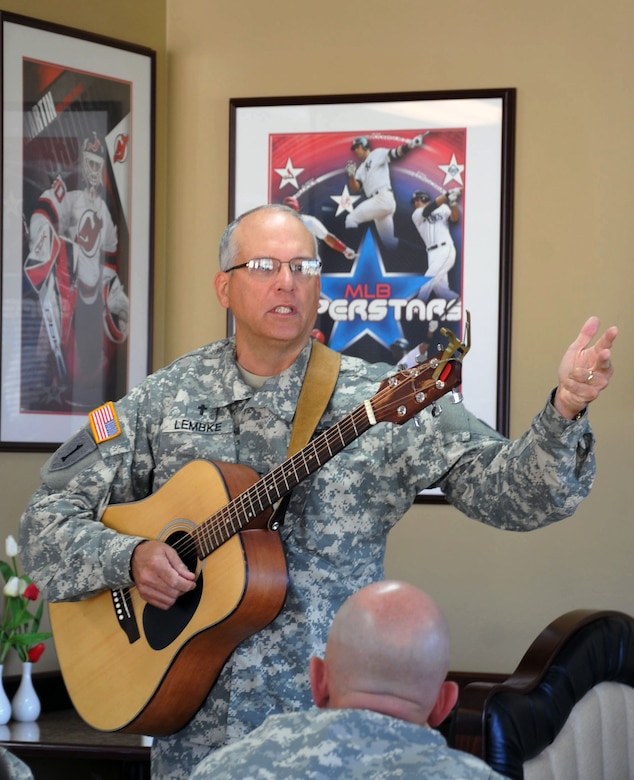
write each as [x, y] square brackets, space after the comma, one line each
[257, 498]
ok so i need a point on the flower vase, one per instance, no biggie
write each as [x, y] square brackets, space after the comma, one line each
[5, 704]
[26, 704]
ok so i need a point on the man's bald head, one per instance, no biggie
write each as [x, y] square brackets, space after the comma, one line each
[387, 650]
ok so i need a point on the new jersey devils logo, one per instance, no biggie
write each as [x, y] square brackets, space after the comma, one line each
[121, 148]
[88, 230]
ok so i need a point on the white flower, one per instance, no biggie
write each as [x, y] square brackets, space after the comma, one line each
[12, 588]
[11, 546]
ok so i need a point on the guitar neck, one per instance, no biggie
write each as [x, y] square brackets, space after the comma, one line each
[266, 492]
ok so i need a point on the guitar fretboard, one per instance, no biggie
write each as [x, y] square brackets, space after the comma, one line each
[266, 492]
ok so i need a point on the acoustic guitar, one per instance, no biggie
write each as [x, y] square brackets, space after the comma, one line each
[129, 666]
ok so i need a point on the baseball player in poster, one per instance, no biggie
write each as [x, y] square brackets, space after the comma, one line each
[372, 175]
[432, 217]
[320, 231]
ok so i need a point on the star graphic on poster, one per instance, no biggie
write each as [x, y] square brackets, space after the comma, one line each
[453, 171]
[345, 201]
[289, 174]
[52, 394]
[368, 284]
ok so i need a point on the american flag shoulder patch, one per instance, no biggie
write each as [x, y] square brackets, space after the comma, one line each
[104, 423]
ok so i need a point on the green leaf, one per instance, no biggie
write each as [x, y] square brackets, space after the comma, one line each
[6, 571]
[28, 640]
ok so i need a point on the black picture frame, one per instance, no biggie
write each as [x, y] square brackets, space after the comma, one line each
[298, 147]
[78, 125]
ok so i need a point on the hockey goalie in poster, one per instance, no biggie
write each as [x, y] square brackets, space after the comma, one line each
[388, 210]
[75, 310]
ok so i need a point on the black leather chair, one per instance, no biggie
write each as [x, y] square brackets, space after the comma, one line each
[568, 709]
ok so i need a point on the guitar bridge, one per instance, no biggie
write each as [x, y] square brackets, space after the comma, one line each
[122, 603]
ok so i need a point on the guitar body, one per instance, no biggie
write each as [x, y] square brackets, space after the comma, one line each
[131, 667]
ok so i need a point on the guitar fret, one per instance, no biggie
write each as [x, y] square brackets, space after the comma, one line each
[231, 520]
[272, 493]
[249, 509]
[221, 529]
[290, 475]
[217, 535]
[327, 443]
[287, 484]
[306, 469]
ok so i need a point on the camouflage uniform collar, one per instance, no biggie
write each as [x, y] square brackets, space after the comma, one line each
[280, 393]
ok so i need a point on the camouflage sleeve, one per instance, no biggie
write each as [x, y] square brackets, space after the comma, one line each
[527, 483]
[64, 547]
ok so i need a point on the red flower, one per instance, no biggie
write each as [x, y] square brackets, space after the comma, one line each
[31, 592]
[35, 652]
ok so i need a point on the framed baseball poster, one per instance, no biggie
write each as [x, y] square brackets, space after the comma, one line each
[410, 196]
[77, 168]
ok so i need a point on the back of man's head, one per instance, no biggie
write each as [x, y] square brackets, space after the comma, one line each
[388, 651]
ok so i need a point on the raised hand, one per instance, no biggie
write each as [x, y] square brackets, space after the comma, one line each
[585, 369]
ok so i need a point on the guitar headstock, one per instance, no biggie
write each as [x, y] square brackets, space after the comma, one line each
[406, 393]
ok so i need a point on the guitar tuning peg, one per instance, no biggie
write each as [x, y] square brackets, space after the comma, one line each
[436, 411]
[456, 396]
[416, 422]
[402, 366]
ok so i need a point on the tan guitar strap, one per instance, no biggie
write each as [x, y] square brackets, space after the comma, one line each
[319, 383]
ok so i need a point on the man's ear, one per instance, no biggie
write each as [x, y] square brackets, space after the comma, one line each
[221, 282]
[447, 698]
[318, 682]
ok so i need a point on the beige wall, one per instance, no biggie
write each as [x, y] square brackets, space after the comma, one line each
[572, 65]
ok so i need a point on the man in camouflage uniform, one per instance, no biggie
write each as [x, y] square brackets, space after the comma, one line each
[379, 688]
[234, 401]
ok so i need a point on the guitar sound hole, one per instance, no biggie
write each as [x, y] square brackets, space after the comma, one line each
[162, 627]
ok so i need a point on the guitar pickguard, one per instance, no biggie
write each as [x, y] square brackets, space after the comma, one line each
[162, 627]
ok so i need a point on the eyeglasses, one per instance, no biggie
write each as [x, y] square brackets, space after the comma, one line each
[266, 267]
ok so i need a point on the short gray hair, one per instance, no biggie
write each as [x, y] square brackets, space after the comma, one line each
[228, 249]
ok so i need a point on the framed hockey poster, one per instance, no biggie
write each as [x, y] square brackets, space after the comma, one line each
[77, 226]
[410, 196]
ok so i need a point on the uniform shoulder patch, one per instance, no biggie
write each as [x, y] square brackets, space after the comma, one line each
[73, 451]
[104, 423]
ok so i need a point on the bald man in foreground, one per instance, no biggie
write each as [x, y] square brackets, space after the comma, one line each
[380, 688]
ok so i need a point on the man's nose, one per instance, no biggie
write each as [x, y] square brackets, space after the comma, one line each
[285, 277]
